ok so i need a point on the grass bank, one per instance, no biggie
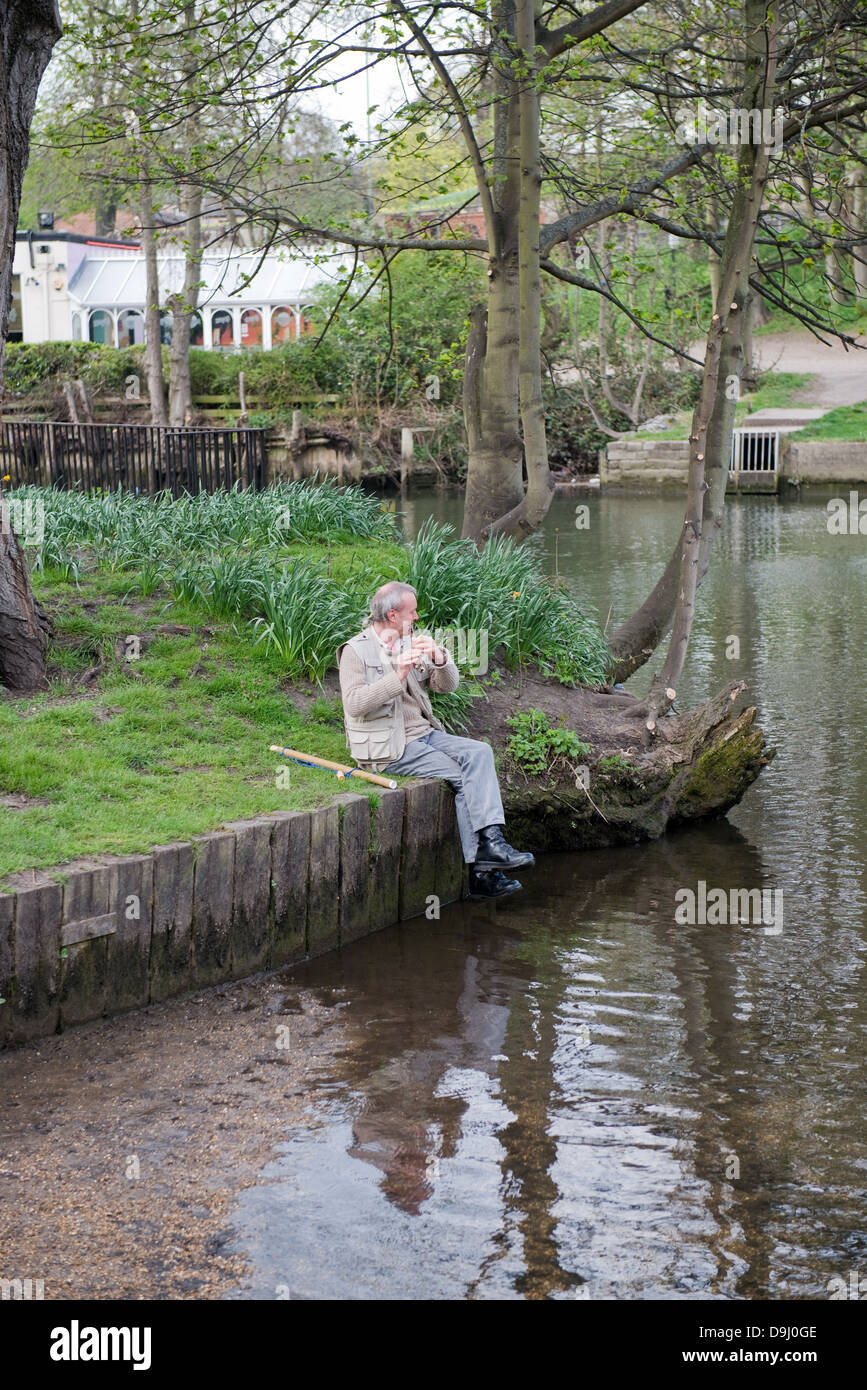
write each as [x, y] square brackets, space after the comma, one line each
[189, 635]
[847, 422]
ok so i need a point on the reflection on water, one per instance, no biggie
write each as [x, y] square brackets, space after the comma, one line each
[571, 1095]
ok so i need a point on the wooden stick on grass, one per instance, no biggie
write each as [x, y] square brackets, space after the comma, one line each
[341, 770]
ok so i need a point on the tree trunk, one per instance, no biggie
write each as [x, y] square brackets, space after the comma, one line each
[495, 452]
[749, 374]
[710, 444]
[637, 639]
[630, 339]
[183, 307]
[859, 219]
[153, 346]
[835, 258]
[718, 444]
[29, 30]
[698, 764]
[713, 261]
[105, 212]
[24, 626]
[495, 500]
[477, 343]
[664, 686]
[495, 483]
[530, 511]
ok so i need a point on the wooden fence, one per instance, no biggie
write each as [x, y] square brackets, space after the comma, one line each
[224, 407]
[139, 458]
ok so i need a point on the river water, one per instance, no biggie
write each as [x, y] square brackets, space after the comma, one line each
[573, 1095]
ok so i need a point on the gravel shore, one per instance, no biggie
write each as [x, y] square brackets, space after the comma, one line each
[125, 1142]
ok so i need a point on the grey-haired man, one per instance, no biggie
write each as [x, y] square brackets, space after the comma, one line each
[391, 728]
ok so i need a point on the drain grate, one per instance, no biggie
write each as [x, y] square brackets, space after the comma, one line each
[755, 451]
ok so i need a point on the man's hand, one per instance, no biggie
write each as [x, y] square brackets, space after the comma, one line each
[423, 643]
[403, 662]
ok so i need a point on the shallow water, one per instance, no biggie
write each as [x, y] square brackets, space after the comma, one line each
[575, 1095]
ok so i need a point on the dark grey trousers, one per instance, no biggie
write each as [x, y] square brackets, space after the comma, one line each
[469, 766]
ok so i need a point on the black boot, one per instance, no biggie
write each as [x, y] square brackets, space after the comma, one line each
[490, 883]
[494, 853]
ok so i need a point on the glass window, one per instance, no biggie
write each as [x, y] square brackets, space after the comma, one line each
[251, 328]
[282, 324]
[130, 328]
[101, 329]
[197, 332]
[222, 329]
[306, 319]
[76, 328]
[16, 329]
[167, 322]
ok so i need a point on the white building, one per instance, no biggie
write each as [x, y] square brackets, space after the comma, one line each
[67, 286]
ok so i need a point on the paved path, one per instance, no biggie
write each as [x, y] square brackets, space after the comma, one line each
[839, 377]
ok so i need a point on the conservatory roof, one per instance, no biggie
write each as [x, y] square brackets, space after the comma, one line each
[117, 280]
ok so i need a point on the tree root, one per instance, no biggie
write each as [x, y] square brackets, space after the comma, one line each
[692, 765]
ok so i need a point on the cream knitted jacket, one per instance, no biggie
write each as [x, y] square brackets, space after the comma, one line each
[360, 699]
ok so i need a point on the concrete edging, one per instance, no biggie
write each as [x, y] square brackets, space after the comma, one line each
[631, 462]
[120, 933]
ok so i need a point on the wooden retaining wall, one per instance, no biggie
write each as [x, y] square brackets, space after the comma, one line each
[102, 936]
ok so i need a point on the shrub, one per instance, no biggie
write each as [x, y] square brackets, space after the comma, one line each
[30, 366]
[501, 590]
[123, 529]
[392, 344]
[535, 746]
[305, 617]
[299, 368]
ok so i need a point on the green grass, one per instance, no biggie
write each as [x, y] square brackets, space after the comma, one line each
[847, 422]
[252, 559]
[293, 564]
[777, 390]
[170, 745]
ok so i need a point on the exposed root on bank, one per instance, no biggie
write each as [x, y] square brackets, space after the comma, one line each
[689, 766]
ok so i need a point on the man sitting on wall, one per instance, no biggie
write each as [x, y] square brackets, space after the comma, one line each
[391, 729]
